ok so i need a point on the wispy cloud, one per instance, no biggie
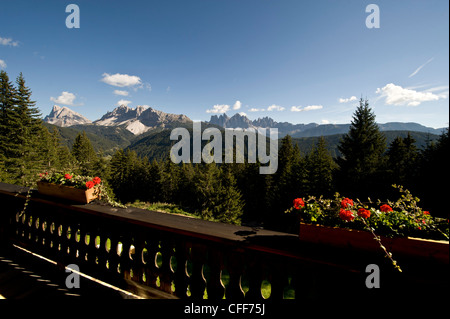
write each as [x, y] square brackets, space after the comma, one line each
[2, 64]
[306, 108]
[350, 99]
[420, 68]
[397, 95]
[254, 109]
[222, 108]
[121, 92]
[8, 42]
[219, 108]
[123, 102]
[274, 107]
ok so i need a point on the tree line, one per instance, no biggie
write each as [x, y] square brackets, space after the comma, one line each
[231, 193]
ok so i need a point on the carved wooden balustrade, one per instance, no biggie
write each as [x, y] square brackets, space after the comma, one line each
[159, 255]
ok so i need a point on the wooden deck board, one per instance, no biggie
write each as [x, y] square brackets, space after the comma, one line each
[23, 276]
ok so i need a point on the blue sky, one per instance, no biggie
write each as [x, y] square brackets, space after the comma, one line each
[292, 60]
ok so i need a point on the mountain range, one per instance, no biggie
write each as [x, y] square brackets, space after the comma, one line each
[311, 129]
[147, 131]
[143, 119]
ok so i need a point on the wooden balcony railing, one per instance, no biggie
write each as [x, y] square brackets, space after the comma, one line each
[159, 255]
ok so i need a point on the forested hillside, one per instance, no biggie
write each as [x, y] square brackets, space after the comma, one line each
[364, 162]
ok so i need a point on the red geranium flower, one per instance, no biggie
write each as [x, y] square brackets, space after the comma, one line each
[97, 180]
[346, 202]
[299, 203]
[346, 215]
[425, 212]
[364, 213]
[386, 208]
[67, 176]
[89, 184]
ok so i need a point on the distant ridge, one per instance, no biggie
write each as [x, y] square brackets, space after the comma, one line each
[311, 129]
[144, 119]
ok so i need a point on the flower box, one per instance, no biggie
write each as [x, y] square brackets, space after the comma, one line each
[68, 192]
[362, 240]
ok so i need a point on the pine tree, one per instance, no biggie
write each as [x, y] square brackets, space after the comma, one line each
[362, 150]
[206, 187]
[169, 181]
[124, 180]
[32, 135]
[433, 173]
[84, 154]
[230, 207]
[321, 167]
[402, 160]
[9, 122]
[286, 184]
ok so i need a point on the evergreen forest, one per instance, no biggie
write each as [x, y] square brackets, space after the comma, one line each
[366, 166]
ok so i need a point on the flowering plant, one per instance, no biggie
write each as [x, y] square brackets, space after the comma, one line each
[69, 179]
[392, 219]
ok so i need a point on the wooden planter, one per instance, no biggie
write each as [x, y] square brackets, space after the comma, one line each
[362, 240]
[68, 192]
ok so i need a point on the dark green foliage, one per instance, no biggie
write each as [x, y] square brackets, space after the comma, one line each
[362, 154]
[84, 154]
[321, 167]
[356, 164]
[402, 159]
[26, 146]
[433, 175]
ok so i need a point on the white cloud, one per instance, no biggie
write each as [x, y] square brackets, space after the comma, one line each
[275, 107]
[254, 109]
[66, 98]
[420, 67]
[8, 41]
[313, 107]
[2, 64]
[123, 102]
[306, 108]
[237, 105]
[121, 80]
[324, 122]
[444, 94]
[219, 108]
[350, 99]
[120, 92]
[242, 113]
[396, 95]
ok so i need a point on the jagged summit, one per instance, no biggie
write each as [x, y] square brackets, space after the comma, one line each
[137, 120]
[63, 116]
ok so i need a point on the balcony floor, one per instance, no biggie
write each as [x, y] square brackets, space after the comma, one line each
[26, 276]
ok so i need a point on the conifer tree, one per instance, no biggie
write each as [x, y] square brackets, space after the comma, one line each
[402, 160]
[84, 154]
[362, 150]
[9, 122]
[31, 134]
[169, 180]
[321, 167]
[206, 186]
[230, 204]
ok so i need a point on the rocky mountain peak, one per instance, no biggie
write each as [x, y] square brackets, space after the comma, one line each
[63, 116]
